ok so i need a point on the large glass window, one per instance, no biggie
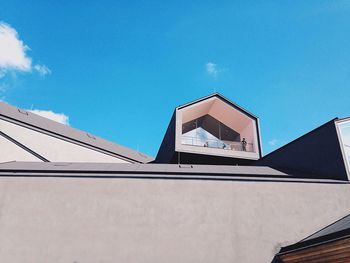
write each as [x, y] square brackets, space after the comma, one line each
[207, 131]
[345, 139]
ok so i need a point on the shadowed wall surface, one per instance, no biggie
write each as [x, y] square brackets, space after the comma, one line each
[142, 220]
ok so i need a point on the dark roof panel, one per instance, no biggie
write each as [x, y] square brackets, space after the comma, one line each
[316, 153]
[337, 226]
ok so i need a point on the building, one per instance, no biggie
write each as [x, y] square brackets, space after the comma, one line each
[69, 196]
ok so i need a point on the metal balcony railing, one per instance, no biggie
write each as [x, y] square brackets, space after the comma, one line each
[219, 144]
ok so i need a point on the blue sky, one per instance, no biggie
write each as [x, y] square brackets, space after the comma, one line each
[118, 68]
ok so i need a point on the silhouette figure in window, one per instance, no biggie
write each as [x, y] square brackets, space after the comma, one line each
[244, 145]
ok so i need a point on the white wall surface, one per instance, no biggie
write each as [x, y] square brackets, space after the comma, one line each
[51, 148]
[87, 220]
[11, 152]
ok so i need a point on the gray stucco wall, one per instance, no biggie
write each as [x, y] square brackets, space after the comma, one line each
[87, 220]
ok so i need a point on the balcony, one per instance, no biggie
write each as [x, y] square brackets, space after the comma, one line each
[218, 144]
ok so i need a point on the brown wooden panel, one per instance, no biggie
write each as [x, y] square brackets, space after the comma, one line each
[334, 252]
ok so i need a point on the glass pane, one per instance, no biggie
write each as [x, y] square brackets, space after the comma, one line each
[206, 131]
[345, 138]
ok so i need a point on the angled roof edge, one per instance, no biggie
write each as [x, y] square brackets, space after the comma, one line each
[166, 149]
[300, 137]
[218, 95]
[28, 119]
[337, 230]
[338, 225]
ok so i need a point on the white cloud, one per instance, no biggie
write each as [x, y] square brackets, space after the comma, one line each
[211, 69]
[12, 50]
[42, 69]
[13, 53]
[58, 117]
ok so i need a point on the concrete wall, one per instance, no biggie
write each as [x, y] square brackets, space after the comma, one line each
[88, 220]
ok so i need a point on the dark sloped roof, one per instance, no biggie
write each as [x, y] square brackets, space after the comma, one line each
[335, 231]
[299, 138]
[31, 120]
[317, 153]
[340, 225]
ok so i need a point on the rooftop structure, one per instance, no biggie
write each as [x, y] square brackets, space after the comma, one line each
[211, 130]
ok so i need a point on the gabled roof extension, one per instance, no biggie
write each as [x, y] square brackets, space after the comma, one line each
[67, 133]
